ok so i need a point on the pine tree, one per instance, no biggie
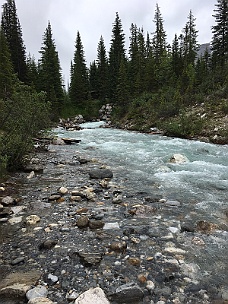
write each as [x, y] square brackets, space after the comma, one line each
[32, 72]
[102, 70]
[159, 38]
[122, 90]
[220, 35]
[190, 45]
[93, 80]
[79, 86]
[50, 79]
[116, 54]
[160, 51]
[12, 30]
[6, 68]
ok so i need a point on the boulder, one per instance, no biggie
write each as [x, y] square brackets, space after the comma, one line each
[178, 159]
[92, 296]
[37, 292]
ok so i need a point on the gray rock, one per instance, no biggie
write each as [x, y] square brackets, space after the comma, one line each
[7, 200]
[178, 159]
[129, 292]
[52, 278]
[37, 292]
[100, 173]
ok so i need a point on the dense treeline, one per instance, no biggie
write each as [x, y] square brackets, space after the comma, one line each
[153, 80]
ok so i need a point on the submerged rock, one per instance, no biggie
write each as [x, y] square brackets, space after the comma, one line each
[178, 159]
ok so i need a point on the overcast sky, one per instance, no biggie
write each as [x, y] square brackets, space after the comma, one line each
[93, 18]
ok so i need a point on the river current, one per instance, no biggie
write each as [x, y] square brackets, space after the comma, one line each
[142, 160]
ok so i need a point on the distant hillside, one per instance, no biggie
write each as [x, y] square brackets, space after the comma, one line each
[203, 48]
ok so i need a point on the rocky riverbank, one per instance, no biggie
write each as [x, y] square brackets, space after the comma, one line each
[71, 232]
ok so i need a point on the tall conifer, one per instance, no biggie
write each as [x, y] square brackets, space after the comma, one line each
[79, 86]
[12, 30]
[50, 79]
[102, 70]
[116, 54]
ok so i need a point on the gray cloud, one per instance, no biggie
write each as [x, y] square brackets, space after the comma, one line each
[95, 18]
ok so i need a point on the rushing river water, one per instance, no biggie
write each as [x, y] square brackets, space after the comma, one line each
[143, 161]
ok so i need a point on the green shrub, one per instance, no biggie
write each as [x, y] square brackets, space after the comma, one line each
[21, 118]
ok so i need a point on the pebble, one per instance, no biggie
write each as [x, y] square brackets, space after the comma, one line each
[63, 190]
[18, 260]
[54, 279]
[15, 220]
[82, 222]
[92, 296]
[7, 200]
[111, 226]
[32, 219]
[96, 224]
[40, 301]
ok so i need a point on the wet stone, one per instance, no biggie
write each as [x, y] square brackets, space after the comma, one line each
[100, 173]
[48, 244]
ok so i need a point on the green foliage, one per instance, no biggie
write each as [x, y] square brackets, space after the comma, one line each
[185, 126]
[21, 118]
[89, 109]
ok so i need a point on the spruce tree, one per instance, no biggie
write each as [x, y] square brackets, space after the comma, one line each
[12, 30]
[6, 68]
[50, 79]
[93, 80]
[102, 70]
[190, 44]
[116, 54]
[159, 38]
[220, 35]
[32, 72]
[79, 86]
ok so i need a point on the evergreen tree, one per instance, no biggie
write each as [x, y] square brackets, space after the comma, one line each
[6, 68]
[32, 72]
[176, 60]
[79, 87]
[122, 90]
[190, 45]
[50, 79]
[116, 54]
[12, 30]
[102, 70]
[159, 38]
[93, 79]
[220, 35]
[159, 50]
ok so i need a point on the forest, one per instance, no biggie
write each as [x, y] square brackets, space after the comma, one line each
[152, 84]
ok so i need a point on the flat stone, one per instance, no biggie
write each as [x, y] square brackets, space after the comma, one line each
[89, 259]
[17, 290]
[92, 296]
[54, 197]
[118, 246]
[40, 301]
[15, 220]
[110, 226]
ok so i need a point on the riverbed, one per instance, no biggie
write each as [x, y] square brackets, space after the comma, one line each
[168, 219]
